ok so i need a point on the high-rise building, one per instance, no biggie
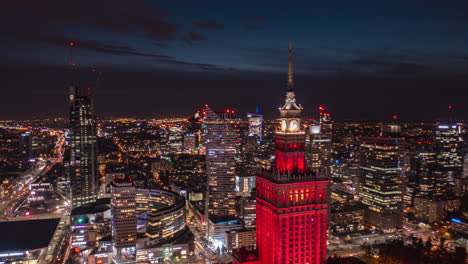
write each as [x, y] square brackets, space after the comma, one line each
[190, 141]
[83, 169]
[380, 185]
[448, 144]
[220, 142]
[292, 202]
[26, 145]
[425, 163]
[245, 185]
[255, 126]
[318, 147]
[124, 222]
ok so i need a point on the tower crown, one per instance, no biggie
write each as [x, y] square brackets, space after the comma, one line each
[290, 101]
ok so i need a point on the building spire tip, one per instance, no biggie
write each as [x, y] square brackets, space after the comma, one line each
[290, 68]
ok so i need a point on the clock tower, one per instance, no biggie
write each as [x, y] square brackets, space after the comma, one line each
[291, 199]
[290, 136]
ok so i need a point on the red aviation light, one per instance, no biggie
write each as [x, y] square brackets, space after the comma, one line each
[450, 107]
[321, 108]
[71, 43]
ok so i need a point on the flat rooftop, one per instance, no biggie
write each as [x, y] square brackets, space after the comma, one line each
[27, 234]
[99, 206]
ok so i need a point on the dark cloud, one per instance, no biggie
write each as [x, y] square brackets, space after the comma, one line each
[203, 66]
[194, 36]
[112, 16]
[209, 24]
[390, 67]
[91, 45]
[161, 44]
[39, 31]
[113, 49]
[253, 22]
[252, 26]
[254, 18]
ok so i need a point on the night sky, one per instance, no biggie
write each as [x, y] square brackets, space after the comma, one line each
[362, 59]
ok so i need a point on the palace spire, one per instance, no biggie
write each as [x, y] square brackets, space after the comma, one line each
[290, 68]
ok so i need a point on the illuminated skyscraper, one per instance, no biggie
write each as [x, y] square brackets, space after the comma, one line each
[292, 202]
[381, 182]
[83, 171]
[426, 169]
[448, 144]
[318, 147]
[220, 141]
[26, 146]
[124, 222]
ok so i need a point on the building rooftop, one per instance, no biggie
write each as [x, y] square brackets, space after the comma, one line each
[220, 219]
[27, 235]
[280, 177]
[99, 206]
[125, 180]
[244, 255]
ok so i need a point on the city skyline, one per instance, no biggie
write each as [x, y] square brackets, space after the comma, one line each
[233, 133]
[346, 55]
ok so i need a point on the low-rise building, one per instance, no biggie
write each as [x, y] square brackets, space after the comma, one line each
[236, 239]
[218, 226]
[459, 225]
[434, 210]
[346, 218]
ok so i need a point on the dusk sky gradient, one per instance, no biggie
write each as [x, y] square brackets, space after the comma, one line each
[362, 59]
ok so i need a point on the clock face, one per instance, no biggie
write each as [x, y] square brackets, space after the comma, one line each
[283, 125]
[293, 125]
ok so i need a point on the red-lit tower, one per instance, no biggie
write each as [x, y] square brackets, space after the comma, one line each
[290, 137]
[291, 199]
